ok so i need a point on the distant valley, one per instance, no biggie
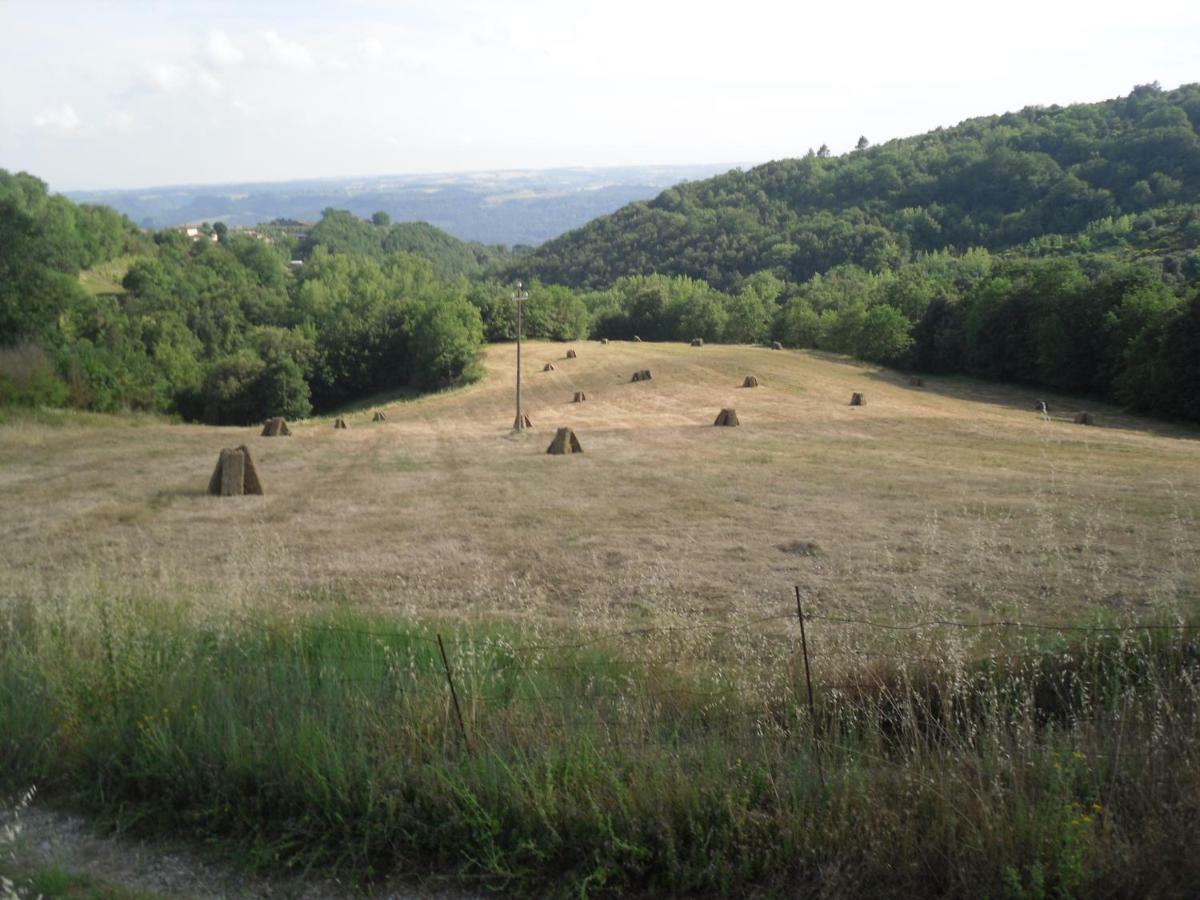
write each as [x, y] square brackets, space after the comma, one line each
[497, 207]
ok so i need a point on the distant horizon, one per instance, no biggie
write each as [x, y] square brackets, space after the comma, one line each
[330, 179]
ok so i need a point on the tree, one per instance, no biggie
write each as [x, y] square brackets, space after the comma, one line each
[823, 152]
[862, 144]
[220, 229]
[381, 219]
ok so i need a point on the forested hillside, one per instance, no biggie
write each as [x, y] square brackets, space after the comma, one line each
[222, 330]
[1054, 246]
[993, 182]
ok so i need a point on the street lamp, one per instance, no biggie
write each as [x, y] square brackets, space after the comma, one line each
[519, 297]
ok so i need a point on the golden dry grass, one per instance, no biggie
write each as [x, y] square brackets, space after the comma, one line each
[956, 497]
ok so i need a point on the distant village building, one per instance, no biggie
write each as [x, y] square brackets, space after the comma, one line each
[195, 234]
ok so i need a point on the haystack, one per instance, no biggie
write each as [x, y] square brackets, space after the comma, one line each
[775, 345]
[857, 399]
[727, 417]
[916, 381]
[570, 354]
[276, 427]
[1083, 418]
[642, 375]
[235, 474]
[564, 442]
[697, 342]
[750, 381]
[339, 423]
[379, 417]
[580, 396]
[548, 367]
[603, 340]
[636, 339]
[522, 421]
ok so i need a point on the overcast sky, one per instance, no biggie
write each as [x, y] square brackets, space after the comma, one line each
[108, 94]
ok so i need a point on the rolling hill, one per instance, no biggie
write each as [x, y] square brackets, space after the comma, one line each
[957, 493]
[998, 182]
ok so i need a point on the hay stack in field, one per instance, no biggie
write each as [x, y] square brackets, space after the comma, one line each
[580, 396]
[548, 367]
[750, 381]
[727, 417]
[570, 354]
[564, 442]
[522, 421]
[775, 345]
[1083, 418]
[603, 340]
[276, 427]
[857, 399]
[235, 474]
[379, 417]
[916, 381]
[641, 375]
[339, 423]
[636, 339]
[697, 342]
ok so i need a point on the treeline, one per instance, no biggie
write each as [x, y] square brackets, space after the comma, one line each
[1080, 324]
[995, 182]
[1076, 324]
[218, 331]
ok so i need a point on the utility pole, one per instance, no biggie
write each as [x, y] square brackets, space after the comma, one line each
[519, 297]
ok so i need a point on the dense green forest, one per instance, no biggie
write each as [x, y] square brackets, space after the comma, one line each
[1056, 246]
[222, 331]
[1053, 246]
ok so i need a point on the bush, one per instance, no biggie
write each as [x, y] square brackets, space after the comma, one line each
[28, 377]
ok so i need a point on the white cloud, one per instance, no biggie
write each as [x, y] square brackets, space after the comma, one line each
[222, 51]
[166, 77]
[373, 49]
[244, 109]
[62, 119]
[209, 83]
[288, 53]
[118, 121]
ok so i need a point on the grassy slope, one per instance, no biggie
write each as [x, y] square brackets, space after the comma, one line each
[956, 496]
[168, 633]
[106, 278]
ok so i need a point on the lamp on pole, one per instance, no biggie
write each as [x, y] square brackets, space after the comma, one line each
[519, 297]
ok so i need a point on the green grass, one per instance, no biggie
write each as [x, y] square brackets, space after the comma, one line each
[53, 881]
[106, 278]
[588, 768]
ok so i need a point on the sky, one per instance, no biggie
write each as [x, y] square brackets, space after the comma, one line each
[103, 94]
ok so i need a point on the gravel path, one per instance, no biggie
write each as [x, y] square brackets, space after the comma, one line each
[65, 840]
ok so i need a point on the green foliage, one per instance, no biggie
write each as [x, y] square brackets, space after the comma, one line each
[223, 331]
[340, 231]
[995, 182]
[328, 742]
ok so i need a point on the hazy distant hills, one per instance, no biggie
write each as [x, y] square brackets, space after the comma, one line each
[498, 207]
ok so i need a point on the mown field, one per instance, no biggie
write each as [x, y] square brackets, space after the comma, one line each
[264, 671]
[956, 496]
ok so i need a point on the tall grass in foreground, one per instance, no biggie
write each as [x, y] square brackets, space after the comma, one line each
[333, 742]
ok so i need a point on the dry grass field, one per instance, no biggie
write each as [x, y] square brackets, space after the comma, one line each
[266, 674]
[955, 497]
